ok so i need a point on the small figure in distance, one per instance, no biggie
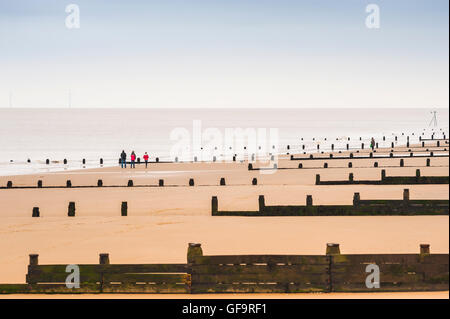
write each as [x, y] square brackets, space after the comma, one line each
[123, 159]
[146, 159]
[133, 159]
[372, 143]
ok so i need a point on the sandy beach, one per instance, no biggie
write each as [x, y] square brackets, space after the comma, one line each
[162, 221]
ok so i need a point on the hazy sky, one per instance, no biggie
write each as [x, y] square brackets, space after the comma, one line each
[228, 53]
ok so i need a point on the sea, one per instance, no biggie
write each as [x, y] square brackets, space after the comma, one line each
[30, 137]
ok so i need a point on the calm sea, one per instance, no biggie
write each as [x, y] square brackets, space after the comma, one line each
[91, 134]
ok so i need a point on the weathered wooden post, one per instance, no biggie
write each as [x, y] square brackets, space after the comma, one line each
[103, 259]
[191, 182]
[402, 162]
[254, 181]
[350, 177]
[356, 199]
[406, 195]
[35, 212]
[124, 209]
[383, 174]
[309, 200]
[261, 203]
[34, 259]
[417, 173]
[214, 205]
[222, 181]
[424, 249]
[9, 184]
[68, 183]
[250, 166]
[71, 209]
[194, 250]
[99, 183]
[317, 179]
[333, 249]
[39, 184]
[161, 182]
[130, 183]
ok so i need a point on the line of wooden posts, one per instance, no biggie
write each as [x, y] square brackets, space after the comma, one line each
[332, 272]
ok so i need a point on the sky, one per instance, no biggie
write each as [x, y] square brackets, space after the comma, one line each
[229, 53]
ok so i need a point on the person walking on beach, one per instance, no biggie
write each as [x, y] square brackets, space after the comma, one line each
[372, 143]
[133, 159]
[146, 159]
[123, 159]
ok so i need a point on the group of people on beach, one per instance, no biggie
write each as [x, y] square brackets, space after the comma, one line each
[133, 158]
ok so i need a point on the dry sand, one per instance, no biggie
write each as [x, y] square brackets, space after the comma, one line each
[163, 220]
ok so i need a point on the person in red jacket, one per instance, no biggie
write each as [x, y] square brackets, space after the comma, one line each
[146, 159]
[133, 159]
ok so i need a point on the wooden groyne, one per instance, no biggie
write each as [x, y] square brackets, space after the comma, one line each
[389, 180]
[360, 207]
[104, 278]
[371, 156]
[331, 272]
